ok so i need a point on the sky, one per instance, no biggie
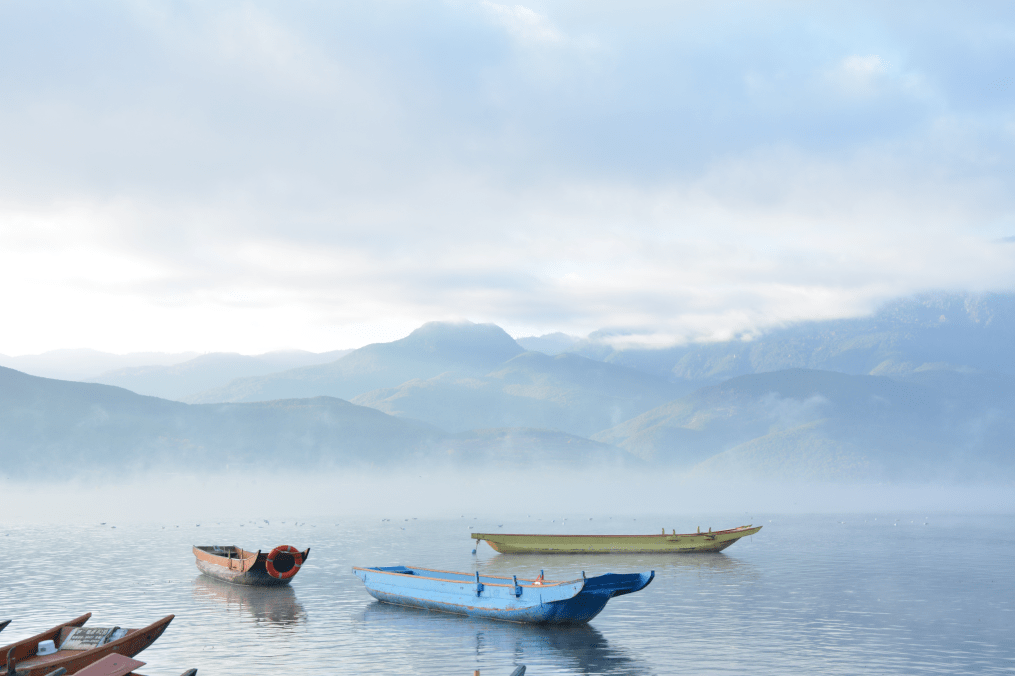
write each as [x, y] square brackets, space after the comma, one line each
[250, 176]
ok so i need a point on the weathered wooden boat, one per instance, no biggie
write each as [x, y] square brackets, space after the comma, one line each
[72, 646]
[500, 598]
[238, 566]
[115, 664]
[711, 541]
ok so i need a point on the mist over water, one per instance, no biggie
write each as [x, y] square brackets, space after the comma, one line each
[493, 493]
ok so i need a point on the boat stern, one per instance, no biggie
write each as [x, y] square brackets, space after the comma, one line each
[618, 584]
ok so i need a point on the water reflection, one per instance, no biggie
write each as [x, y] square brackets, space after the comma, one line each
[580, 649]
[570, 566]
[275, 605]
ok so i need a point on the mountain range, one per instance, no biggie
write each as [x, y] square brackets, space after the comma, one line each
[956, 331]
[924, 389]
[54, 428]
[81, 364]
[177, 381]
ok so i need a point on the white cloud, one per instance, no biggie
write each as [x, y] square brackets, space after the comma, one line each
[523, 23]
[865, 76]
[255, 176]
[864, 66]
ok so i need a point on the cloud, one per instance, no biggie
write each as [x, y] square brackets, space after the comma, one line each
[259, 175]
[524, 23]
[860, 75]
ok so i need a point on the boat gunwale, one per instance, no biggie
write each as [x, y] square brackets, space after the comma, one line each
[251, 556]
[470, 581]
[476, 536]
[50, 634]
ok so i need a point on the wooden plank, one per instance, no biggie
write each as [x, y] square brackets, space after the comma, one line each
[113, 664]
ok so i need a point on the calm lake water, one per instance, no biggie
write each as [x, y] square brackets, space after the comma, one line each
[831, 594]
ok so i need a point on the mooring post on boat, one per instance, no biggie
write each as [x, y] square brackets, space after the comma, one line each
[11, 662]
[518, 589]
[479, 585]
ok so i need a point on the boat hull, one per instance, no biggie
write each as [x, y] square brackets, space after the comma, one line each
[615, 544]
[253, 578]
[29, 663]
[499, 598]
[239, 566]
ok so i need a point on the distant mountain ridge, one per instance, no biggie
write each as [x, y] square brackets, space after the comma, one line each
[180, 380]
[432, 349]
[465, 376]
[960, 331]
[565, 392]
[787, 424]
[56, 427]
[877, 427]
[81, 364]
[550, 343]
[59, 429]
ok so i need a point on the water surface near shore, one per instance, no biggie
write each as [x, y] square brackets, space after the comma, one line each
[833, 594]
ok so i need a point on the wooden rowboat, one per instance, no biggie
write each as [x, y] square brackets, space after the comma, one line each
[239, 566]
[500, 598]
[712, 541]
[5, 652]
[77, 647]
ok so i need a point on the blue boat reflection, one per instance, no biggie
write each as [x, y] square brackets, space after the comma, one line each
[500, 646]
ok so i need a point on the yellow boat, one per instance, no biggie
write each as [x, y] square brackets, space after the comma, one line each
[711, 541]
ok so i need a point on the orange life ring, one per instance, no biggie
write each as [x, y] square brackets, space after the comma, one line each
[284, 549]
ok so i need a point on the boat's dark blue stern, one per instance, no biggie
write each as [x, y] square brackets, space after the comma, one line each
[618, 584]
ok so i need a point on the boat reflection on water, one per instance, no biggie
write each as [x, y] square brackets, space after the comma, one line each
[566, 566]
[274, 605]
[578, 649]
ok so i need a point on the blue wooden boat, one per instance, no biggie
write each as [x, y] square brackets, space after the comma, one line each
[500, 598]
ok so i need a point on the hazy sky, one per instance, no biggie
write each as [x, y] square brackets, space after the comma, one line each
[249, 176]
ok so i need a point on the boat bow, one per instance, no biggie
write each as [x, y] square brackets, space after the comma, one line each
[618, 584]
